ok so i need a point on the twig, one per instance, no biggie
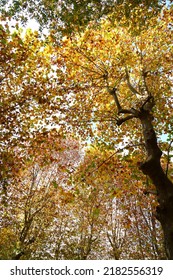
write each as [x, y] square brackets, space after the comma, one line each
[106, 160]
[129, 83]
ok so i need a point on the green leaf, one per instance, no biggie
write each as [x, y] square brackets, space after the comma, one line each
[54, 183]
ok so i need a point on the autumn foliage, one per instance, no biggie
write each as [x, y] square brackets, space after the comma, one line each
[86, 123]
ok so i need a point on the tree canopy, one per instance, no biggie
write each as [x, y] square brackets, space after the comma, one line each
[86, 130]
[69, 15]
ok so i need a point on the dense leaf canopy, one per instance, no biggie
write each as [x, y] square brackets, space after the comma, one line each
[81, 109]
[69, 15]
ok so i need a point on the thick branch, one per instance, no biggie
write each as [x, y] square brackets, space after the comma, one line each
[132, 113]
[148, 104]
[122, 120]
[114, 94]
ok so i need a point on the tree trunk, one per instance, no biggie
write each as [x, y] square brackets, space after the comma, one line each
[152, 166]
[164, 187]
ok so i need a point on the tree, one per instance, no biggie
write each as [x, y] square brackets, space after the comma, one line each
[116, 76]
[33, 200]
[136, 72]
[28, 95]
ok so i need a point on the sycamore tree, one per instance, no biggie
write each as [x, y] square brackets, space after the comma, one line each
[110, 83]
[121, 87]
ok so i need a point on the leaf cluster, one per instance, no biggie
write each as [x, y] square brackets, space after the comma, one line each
[67, 16]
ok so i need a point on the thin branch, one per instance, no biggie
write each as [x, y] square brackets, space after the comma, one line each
[129, 83]
[90, 60]
[106, 160]
[144, 75]
[89, 69]
[133, 113]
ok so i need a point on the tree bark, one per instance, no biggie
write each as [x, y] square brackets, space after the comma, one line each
[164, 187]
[152, 165]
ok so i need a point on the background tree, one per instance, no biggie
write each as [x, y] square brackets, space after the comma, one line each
[49, 217]
[33, 200]
[28, 95]
[127, 213]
